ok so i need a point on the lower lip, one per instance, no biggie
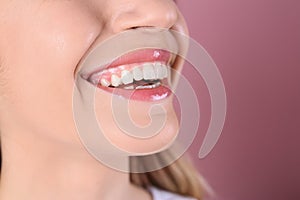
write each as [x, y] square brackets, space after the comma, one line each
[150, 95]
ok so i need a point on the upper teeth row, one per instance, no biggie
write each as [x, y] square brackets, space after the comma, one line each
[147, 71]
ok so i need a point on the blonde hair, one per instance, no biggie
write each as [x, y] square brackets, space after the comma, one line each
[180, 177]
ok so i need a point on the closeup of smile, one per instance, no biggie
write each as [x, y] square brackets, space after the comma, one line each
[143, 75]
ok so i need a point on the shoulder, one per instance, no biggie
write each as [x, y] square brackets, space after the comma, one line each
[159, 194]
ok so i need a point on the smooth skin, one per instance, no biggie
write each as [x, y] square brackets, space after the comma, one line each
[41, 43]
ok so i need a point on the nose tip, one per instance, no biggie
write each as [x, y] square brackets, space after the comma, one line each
[145, 13]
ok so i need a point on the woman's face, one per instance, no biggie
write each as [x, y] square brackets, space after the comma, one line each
[41, 44]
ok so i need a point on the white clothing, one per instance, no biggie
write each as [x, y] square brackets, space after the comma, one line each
[159, 194]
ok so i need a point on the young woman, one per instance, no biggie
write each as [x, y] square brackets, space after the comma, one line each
[42, 43]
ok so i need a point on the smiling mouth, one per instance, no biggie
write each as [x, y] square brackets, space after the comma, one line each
[143, 75]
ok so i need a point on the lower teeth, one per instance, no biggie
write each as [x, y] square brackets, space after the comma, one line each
[138, 87]
[148, 86]
[131, 87]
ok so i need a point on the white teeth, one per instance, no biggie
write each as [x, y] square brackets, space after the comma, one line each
[105, 82]
[131, 87]
[127, 77]
[137, 74]
[115, 80]
[148, 71]
[164, 71]
[158, 71]
[148, 86]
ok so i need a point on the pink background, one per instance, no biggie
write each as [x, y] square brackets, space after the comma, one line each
[256, 45]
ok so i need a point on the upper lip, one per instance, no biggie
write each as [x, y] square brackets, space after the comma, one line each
[138, 56]
[133, 46]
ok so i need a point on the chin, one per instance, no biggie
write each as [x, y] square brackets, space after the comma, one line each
[140, 137]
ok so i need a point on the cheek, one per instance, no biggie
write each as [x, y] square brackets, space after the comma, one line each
[42, 51]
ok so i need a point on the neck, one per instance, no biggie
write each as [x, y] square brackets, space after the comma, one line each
[46, 171]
